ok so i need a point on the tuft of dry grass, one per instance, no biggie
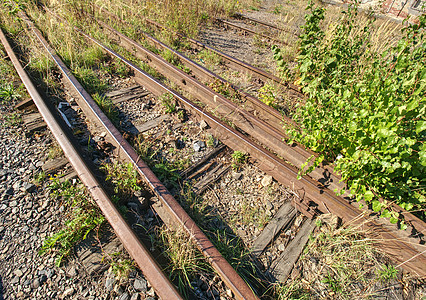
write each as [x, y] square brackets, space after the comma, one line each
[185, 260]
[182, 15]
[341, 263]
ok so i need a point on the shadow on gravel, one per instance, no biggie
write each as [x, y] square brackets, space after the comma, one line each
[1, 289]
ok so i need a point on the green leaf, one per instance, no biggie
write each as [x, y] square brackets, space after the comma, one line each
[377, 205]
[413, 105]
[409, 206]
[421, 126]
[386, 214]
[393, 220]
[368, 196]
[352, 126]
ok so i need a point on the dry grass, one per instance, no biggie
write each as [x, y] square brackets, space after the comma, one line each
[290, 16]
[342, 263]
[185, 260]
[182, 15]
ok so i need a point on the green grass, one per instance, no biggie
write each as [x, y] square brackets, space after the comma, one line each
[123, 177]
[115, 68]
[239, 158]
[120, 266]
[209, 58]
[186, 261]
[169, 102]
[387, 273]
[90, 80]
[11, 119]
[349, 262]
[107, 106]
[39, 178]
[267, 95]
[84, 217]
[8, 93]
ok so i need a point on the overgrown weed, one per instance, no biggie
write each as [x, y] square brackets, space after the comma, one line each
[11, 119]
[238, 159]
[123, 176]
[8, 93]
[186, 261]
[107, 106]
[338, 262]
[84, 217]
[365, 109]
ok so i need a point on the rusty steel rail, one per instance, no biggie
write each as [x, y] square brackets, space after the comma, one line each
[269, 131]
[271, 116]
[408, 254]
[244, 17]
[267, 113]
[265, 132]
[159, 281]
[231, 62]
[175, 214]
[227, 24]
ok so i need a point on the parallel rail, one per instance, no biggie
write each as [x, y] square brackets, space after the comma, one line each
[250, 31]
[159, 281]
[170, 211]
[232, 62]
[407, 252]
[268, 129]
[267, 113]
[266, 24]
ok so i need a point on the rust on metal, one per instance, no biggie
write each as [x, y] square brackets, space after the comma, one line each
[296, 154]
[244, 17]
[230, 24]
[232, 61]
[409, 255]
[161, 284]
[263, 131]
[254, 105]
[176, 213]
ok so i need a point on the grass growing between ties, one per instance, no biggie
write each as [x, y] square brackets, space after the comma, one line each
[339, 263]
[8, 93]
[169, 102]
[166, 170]
[123, 176]
[239, 158]
[184, 16]
[107, 106]
[11, 89]
[11, 119]
[83, 217]
[186, 260]
[229, 245]
[119, 266]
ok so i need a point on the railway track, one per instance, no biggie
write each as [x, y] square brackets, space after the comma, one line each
[285, 173]
[255, 137]
[268, 36]
[167, 207]
[229, 61]
[269, 116]
[267, 26]
[159, 280]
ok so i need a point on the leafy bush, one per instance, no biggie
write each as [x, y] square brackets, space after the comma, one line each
[365, 110]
